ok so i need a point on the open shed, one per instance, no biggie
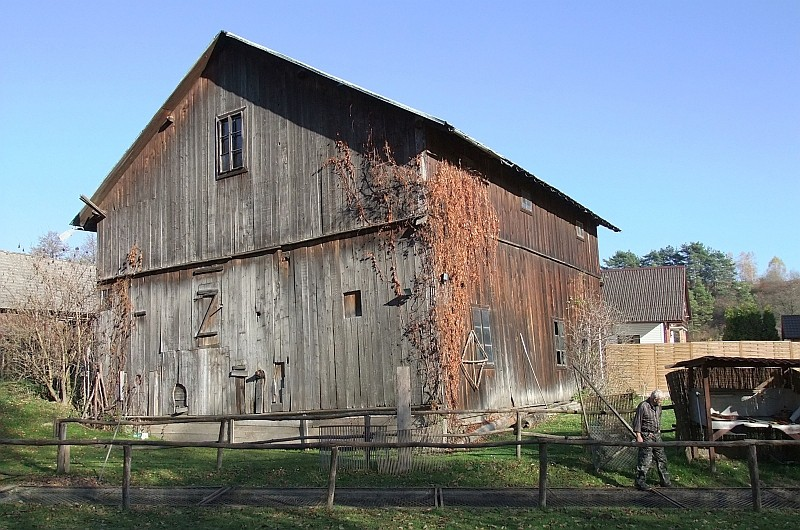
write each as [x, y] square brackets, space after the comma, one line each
[720, 398]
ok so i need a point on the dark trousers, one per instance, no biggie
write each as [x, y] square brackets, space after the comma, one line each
[646, 457]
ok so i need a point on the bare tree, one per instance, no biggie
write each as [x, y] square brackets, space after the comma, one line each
[590, 327]
[47, 337]
[746, 267]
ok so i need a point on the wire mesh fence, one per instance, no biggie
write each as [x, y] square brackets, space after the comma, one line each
[603, 423]
[383, 460]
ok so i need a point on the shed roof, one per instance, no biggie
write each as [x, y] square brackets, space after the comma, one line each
[790, 327]
[711, 361]
[89, 216]
[648, 294]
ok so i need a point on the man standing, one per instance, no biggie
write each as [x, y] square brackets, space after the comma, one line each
[647, 427]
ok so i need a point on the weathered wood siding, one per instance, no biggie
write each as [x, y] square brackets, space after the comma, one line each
[541, 264]
[169, 203]
[282, 314]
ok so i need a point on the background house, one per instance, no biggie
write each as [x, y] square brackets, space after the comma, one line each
[279, 239]
[653, 303]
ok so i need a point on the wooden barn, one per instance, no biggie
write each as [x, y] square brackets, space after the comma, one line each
[278, 239]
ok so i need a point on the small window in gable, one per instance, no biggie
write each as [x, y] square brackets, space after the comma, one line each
[579, 230]
[526, 205]
[352, 304]
[230, 144]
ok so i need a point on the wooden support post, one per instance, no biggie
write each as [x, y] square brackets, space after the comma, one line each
[332, 476]
[231, 431]
[62, 460]
[367, 438]
[126, 477]
[542, 476]
[403, 400]
[518, 432]
[220, 439]
[755, 481]
[303, 432]
[712, 456]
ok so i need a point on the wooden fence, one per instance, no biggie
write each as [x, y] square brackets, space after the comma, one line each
[542, 441]
[643, 367]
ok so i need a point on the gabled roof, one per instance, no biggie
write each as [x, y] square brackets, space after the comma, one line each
[20, 280]
[648, 294]
[89, 215]
[790, 327]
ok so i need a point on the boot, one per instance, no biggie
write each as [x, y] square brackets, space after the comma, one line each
[641, 482]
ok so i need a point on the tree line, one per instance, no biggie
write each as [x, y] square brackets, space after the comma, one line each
[727, 298]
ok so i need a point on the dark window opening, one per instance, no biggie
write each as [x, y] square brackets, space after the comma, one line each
[629, 339]
[560, 340]
[179, 399]
[352, 304]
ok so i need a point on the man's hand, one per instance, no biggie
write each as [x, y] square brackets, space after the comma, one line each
[639, 437]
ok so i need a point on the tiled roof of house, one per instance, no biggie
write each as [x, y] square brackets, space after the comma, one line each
[23, 276]
[648, 294]
[790, 327]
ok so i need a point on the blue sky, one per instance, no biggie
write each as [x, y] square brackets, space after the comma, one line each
[676, 121]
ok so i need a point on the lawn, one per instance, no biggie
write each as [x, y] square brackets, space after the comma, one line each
[25, 415]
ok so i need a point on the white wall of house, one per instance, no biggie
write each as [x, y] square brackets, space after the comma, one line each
[648, 332]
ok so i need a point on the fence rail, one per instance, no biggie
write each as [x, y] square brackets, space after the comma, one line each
[542, 441]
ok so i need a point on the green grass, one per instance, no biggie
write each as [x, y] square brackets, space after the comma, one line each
[68, 517]
[24, 415]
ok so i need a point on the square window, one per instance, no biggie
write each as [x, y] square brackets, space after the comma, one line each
[352, 304]
[230, 144]
[526, 205]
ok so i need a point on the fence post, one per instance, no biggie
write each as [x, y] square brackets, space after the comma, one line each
[303, 432]
[332, 475]
[62, 460]
[755, 486]
[367, 438]
[126, 477]
[542, 476]
[518, 432]
[220, 439]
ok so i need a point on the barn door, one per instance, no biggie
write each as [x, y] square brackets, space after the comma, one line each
[207, 307]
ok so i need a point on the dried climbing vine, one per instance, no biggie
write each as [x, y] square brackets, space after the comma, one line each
[458, 239]
[120, 308]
